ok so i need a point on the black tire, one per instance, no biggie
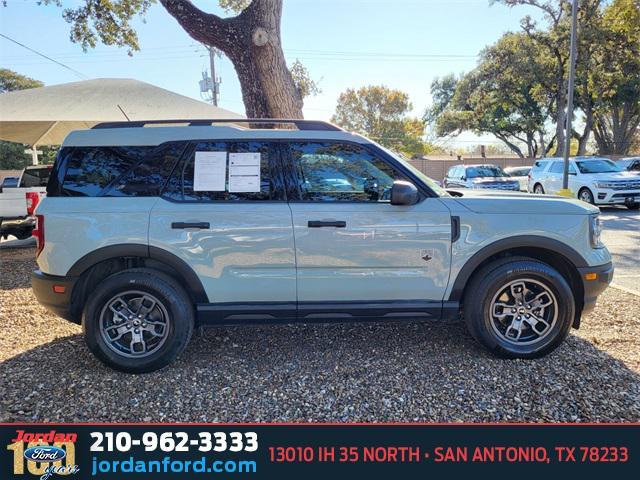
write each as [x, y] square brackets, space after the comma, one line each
[633, 206]
[586, 196]
[538, 189]
[171, 297]
[490, 280]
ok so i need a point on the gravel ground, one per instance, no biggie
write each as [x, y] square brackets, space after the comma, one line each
[379, 372]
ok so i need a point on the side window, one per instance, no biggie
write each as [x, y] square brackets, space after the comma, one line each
[90, 169]
[35, 177]
[452, 172]
[254, 186]
[147, 178]
[340, 172]
[556, 167]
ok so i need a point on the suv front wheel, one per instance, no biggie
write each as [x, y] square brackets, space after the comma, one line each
[138, 320]
[519, 308]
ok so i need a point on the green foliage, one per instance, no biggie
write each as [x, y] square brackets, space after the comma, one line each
[234, 6]
[303, 81]
[442, 91]
[500, 96]
[381, 114]
[10, 81]
[106, 21]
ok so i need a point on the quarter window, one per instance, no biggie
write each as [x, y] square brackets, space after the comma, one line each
[90, 169]
[339, 172]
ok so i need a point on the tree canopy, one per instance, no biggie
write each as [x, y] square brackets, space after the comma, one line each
[518, 90]
[382, 114]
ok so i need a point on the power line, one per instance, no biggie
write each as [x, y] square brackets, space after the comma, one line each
[44, 56]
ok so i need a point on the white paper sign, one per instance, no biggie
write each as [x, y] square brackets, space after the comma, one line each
[244, 172]
[210, 171]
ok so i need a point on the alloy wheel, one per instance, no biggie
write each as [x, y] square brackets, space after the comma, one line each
[523, 311]
[134, 324]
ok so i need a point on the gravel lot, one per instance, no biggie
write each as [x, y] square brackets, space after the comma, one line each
[379, 372]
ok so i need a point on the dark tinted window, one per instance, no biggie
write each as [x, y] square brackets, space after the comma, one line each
[485, 171]
[341, 172]
[35, 177]
[89, 170]
[148, 176]
[181, 184]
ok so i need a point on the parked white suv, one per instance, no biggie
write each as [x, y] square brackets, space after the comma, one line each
[598, 181]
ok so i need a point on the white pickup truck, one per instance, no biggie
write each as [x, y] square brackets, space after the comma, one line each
[18, 203]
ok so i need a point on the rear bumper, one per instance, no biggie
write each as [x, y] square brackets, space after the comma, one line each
[58, 302]
[593, 288]
[18, 222]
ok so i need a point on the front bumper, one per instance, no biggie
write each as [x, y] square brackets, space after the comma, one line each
[594, 287]
[605, 196]
[56, 300]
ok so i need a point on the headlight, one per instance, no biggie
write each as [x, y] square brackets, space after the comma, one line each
[595, 230]
[604, 184]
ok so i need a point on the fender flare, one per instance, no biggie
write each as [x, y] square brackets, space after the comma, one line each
[520, 241]
[182, 268]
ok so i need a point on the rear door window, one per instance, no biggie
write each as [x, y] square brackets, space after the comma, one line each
[266, 173]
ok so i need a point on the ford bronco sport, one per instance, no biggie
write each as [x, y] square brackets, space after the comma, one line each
[148, 233]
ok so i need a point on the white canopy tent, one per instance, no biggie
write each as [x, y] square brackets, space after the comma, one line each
[44, 116]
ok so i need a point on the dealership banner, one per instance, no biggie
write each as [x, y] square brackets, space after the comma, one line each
[239, 450]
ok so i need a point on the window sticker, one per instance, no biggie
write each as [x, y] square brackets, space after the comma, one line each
[210, 171]
[244, 172]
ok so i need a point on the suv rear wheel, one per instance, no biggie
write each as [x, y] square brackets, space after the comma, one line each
[538, 189]
[138, 320]
[519, 308]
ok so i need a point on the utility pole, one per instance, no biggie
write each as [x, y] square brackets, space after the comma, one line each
[569, 117]
[211, 83]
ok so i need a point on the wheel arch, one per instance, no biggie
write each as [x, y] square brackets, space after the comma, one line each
[558, 255]
[103, 262]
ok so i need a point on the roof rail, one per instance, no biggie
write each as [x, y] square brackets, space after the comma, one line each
[300, 124]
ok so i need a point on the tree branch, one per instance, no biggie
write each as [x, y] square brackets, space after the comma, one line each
[204, 27]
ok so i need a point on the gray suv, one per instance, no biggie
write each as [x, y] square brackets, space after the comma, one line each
[148, 233]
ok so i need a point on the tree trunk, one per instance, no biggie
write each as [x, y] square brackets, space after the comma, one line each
[252, 42]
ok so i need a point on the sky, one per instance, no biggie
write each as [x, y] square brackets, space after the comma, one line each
[402, 44]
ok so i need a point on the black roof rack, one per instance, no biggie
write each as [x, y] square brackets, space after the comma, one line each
[300, 124]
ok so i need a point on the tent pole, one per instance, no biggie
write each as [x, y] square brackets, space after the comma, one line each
[34, 154]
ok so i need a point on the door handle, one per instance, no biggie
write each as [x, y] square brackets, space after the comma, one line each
[200, 225]
[320, 224]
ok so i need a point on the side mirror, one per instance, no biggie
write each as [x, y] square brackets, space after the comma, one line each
[404, 193]
[463, 178]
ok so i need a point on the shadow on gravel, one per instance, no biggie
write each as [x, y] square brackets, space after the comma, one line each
[376, 372]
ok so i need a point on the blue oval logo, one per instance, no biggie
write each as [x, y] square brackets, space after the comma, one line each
[45, 454]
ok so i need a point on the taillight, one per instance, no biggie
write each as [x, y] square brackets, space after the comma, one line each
[38, 233]
[33, 198]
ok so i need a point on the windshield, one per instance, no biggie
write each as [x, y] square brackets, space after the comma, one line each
[597, 166]
[432, 184]
[485, 171]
